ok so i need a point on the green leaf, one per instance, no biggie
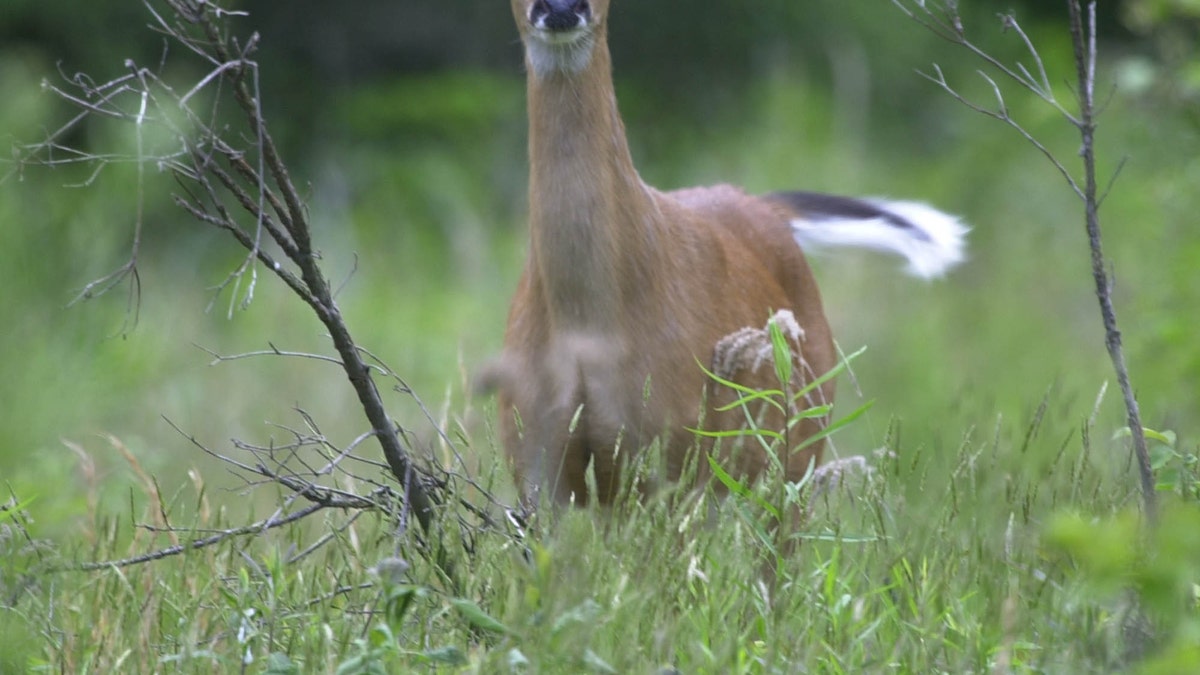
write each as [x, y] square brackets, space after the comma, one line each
[399, 599]
[230, 597]
[736, 433]
[1160, 456]
[730, 483]
[832, 373]
[756, 528]
[380, 635]
[720, 380]
[771, 396]
[737, 488]
[278, 663]
[1167, 438]
[810, 413]
[832, 428]
[477, 617]
[782, 353]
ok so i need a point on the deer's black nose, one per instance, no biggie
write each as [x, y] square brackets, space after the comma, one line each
[560, 15]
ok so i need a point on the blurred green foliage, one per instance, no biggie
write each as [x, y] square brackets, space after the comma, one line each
[1166, 68]
[1117, 556]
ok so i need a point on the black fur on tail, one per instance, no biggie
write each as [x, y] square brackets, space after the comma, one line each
[817, 206]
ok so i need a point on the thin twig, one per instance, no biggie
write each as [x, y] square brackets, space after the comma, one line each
[251, 529]
[273, 351]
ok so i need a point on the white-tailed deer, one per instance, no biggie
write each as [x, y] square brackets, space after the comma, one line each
[627, 288]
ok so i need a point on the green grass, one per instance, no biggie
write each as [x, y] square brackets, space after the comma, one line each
[929, 564]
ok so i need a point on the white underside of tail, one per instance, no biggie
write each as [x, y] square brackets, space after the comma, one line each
[935, 243]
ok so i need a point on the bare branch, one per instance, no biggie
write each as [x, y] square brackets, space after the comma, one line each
[252, 529]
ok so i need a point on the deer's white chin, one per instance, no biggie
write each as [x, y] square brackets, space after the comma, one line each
[567, 52]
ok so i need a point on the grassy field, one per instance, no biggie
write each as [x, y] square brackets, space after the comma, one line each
[995, 531]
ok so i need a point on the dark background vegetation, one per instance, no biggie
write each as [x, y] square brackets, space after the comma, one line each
[406, 122]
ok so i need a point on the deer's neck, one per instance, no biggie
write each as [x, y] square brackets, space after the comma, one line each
[593, 222]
